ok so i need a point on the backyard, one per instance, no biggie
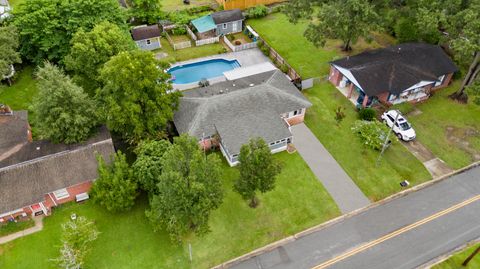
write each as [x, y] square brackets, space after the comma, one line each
[128, 241]
[173, 56]
[359, 162]
[455, 262]
[173, 5]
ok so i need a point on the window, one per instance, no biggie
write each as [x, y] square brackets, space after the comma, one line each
[224, 26]
[149, 42]
[283, 140]
[61, 194]
[273, 143]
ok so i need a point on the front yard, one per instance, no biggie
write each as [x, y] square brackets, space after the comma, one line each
[398, 164]
[127, 241]
[455, 262]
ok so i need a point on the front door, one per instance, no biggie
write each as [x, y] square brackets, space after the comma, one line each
[234, 27]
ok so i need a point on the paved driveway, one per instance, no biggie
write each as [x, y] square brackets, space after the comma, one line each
[340, 186]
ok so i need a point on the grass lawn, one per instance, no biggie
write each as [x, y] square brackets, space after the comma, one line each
[455, 262]
[397, 165]
[449, 129]
[127, 241]
[172, 5]
[20, 94]
[308, 60]
[188, 53]
[13, 227]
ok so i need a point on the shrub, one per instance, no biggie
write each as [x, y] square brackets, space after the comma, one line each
[237, 42]
[265, 50]
[204, 82]
[406, 31]
[257, 12]
[284, 68]
[372, 133]
[179, 31]
[339, 114]
[367, 114]
[277, 8]
[230, 37]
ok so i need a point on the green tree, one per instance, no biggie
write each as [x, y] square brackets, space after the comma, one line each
[8, 50]
[115, 188]
[189, 189]
[47, 26]
[148, 165]
[372, 133]
[91, 50]
[62, 111]
[146, 11]
[258, 170]
[136, 96]
[77, 236]
[346, 20]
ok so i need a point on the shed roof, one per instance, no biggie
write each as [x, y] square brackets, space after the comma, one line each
[204, 24]
[225, 16]
[396, 68]
[145, 32]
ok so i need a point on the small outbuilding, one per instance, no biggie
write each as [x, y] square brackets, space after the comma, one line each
[220, 23]
[147, 37]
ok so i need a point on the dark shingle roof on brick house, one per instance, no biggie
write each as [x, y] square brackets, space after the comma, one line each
[396, 68]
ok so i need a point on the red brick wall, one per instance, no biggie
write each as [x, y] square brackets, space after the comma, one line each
[335, 76]
[76, 189]
[383, 97]
[297, 118]
[446, 82]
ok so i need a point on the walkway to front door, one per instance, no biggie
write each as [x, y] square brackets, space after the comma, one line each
[340, 186]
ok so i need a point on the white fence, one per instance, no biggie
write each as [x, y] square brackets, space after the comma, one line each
[177, 46]
[239, 47]
[190, 32]
[202, 42]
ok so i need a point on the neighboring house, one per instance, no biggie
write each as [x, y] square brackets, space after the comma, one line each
[4, 9]
[228, 114]
[243, 4]
[219, 23]
[406, 72]
[147, 37]
[36, 176]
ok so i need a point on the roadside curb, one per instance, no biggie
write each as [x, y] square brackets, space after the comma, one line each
[449, 254]
[321, 226]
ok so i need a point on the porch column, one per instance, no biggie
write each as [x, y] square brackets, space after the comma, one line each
[365, 101]
[350, 91]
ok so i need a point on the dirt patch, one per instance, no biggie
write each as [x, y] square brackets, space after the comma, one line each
[460, 136]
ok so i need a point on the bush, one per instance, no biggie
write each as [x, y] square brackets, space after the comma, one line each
[284, 68]
[238, 42]
[406, 31]
[367, 114]
[372, 133]
[230, 37]
[265, 50]
[257, 12]
[179, 31]
[277, 8]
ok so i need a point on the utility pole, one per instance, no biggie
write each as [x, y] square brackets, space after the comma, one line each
[469, 258]
[384, 147]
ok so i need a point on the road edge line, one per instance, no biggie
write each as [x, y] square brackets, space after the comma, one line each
[333, 221]
[448, 254]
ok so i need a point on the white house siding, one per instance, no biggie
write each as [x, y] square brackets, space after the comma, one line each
[231, 27]
[154, 43]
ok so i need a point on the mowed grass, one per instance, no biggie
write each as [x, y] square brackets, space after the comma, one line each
[127, 240]
[188, 53]
[449, 129]
[398, 163]
[173, 5]
[455, 262]
[376, 182]
[19, 96]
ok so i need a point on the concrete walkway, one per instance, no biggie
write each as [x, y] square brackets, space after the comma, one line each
[38, 227]
[434, 165]
[340, 186]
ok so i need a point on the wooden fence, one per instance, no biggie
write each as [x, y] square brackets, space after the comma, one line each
[190, 32]
[180, 45]
[244, 4]
[239, 47]
[212, 40]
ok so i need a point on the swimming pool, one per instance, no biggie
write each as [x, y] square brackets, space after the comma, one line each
[189, 73]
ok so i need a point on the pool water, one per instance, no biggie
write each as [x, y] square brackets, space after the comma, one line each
[189, 73]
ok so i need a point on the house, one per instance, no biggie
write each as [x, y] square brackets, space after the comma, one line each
[407, 72]
[219, 23]
[244, 4]
[37, 176]
[228, 114]
[147, 37]
[4, 9]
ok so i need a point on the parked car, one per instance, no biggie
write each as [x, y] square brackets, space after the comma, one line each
[402, 128]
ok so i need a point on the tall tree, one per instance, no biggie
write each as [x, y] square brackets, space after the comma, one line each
[91, 50]
[135, 96]
[47, 26]
[146, 11]
[115, 188]
[8, 50]
[258, 170]
[189, 189]
[63, 112]
[148, 165]
[465, 34]
[346, 20]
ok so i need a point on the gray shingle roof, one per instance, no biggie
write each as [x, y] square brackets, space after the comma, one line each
[13, 131]
[396, 68]
[145, 32]
[225, 16]
[240, 109]
[26, 183]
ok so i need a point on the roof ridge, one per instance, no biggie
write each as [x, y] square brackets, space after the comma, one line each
[200, 111]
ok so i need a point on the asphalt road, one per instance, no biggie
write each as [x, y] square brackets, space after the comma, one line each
[342, 243]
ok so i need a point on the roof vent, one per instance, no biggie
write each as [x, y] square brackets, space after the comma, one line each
[233, 85]
[221, 91]
[37, 148]
[251, 85]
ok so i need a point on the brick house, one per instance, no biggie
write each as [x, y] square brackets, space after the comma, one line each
[37, 176]
[228, 114]
[407, 72]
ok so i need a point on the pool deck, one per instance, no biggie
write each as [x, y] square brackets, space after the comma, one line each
[245, 58]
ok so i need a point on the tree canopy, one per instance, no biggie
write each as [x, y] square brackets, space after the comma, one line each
[91, 50]
[135, 96]
[189, 189]
[115, 188]
[47, 26]
[62, 111]
[258, 170]
[145, 11]
[8, 50]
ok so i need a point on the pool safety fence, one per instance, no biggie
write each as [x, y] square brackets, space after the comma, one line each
[206, 41]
